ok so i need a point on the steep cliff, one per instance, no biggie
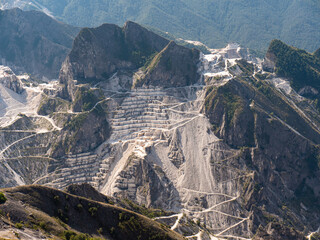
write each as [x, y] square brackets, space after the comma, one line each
[174, 66]
[279, 143]
[99, 53]
[10, 80]
[83, 132]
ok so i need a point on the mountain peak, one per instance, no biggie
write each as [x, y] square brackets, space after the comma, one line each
[129, 24]
[100, 52]
[174, 66]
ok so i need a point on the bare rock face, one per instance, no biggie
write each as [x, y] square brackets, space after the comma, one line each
[141, 40]
[269, 62]
[276, 231]
[285, 160]
[268, 65]
[33, 42]
[229, 111]
[10, 80]
[82, 133]
[175, 154]
[99, 53]
[308, 91]
[96, 53]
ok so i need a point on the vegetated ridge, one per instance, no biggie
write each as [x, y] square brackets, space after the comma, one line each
[37, 212]
[214, 22]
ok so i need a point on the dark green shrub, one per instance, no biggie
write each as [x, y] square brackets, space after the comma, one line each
[19, 225]
[3, 198]
[81, 237]
[93, 211]
[56, 199]
[68, 235]
[43, 225]
[79, 207]
[112, 231]
[100, 231]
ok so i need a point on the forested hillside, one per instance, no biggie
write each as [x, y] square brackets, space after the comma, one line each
[301, 67]
[215, 22]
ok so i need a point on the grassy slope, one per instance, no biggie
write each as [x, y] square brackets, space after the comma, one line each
[56, 211]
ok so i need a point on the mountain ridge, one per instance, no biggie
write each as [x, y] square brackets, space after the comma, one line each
[215, 23]
[206, 149]
[129, 48]
[59, 214]
[34, 42]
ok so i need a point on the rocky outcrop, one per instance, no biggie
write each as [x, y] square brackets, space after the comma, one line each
[174, 66]
[245, 116]
[82, 133]
[145, 183]
[229, 112]
[230, 107]
[277, 231]
[98, 53]
[10, 80]
[85, 98]
[34, 42]
[49, 105]
[268, 63]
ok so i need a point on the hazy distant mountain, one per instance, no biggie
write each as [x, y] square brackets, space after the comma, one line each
[214, 22]
[34, 43]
